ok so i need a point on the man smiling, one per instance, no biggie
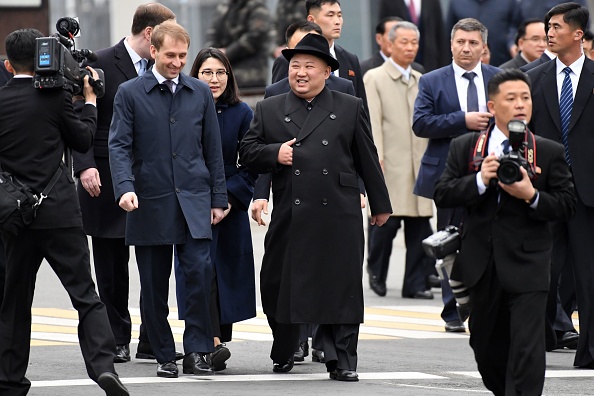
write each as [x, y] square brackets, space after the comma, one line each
[167, 169]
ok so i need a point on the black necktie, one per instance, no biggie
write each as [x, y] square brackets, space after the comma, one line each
[472, 103]
[505, 146]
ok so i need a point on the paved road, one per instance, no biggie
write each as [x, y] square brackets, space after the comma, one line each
[403, 350]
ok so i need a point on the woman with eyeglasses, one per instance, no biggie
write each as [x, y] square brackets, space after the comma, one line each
[233, 293]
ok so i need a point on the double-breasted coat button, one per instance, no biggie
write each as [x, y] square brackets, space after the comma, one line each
[297, 201]
[324, 201]
[297, 172]
[324, 171]
[332, 116]
[174, 155]
[325, 142]
[297, 144]
[287, 119]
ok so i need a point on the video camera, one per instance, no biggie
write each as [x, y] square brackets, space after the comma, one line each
[57, 62]
[509, 164]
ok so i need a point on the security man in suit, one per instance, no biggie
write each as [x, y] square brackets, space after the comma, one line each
[563, 92]
[506, 244]
[103, 220]
[316, 141]
[4, 77]
[36, 126]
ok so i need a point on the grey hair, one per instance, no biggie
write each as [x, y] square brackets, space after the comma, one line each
[403, 25]
[470, 25]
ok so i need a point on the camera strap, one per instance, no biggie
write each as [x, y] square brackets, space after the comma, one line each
[480, 151]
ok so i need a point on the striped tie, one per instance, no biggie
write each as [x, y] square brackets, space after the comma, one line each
[565, 106]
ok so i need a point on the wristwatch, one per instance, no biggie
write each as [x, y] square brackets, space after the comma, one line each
[533, 199]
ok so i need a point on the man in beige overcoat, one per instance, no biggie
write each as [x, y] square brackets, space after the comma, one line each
[391, 92]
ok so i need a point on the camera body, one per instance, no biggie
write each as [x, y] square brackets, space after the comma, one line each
[57, 63]
[510, 164]
[442, 243]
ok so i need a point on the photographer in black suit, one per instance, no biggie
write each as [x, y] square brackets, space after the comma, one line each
[505, 253]
[36, 126]
[103, 219]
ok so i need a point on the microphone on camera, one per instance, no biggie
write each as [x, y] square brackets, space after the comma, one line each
[90, 55]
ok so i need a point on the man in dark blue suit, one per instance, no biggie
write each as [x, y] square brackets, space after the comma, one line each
[103, 220]
[448, 105]
[167, 170]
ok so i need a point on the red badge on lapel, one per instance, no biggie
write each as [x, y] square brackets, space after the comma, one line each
[351, 73]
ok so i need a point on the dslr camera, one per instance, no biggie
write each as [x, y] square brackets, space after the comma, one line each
[442, 243]
[57, 62]
[510, 164]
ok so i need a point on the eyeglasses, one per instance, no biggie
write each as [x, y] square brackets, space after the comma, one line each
[536, 39]
[221, 75]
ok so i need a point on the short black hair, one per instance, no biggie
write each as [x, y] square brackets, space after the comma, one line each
[304, 26]
[574, 14]
[309, 4]
[588, 35]
[230, 95]
[523, 26]
[504, 76]
[20, 49]
[380, 28]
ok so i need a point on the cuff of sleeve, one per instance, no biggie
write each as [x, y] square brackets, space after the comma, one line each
[479, 184]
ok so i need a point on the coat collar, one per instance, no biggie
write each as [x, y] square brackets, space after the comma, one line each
[314, 117]
[150, 81]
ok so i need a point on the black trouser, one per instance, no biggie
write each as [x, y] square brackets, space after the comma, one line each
[285, 340]
[417, 265]
[507, 336]
[110, 257]
[2, 270]
[445, 217]
[340, 345]
[67, 252]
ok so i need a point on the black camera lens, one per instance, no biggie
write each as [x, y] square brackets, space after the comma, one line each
[509, 171]
[67, 26]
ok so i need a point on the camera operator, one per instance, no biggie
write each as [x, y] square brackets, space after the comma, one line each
[505, 253]
[36, 126]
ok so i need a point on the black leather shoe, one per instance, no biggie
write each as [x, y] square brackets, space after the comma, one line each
[112, 385]
[302, 352]
[122, 354]
[455, 326]
[317, 356]
[344, 375]
[167, 370]
[568, 339]
[197, 364]
[377, 286]
[588, 366]
[283, 367]
[145, 351]
[421, 295]
[218, 358]
[433, 281]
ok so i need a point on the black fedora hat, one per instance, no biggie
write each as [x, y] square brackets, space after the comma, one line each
[313, 44]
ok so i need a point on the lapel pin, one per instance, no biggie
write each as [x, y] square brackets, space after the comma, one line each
[332, 116]
[287, 119]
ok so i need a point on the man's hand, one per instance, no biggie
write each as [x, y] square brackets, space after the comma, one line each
[88, 89]
[226, 211]
[285, 153]
[129, 201]
[477, 121]
[522, 189]
[380, 219]
[489, 168]
[89, 179]
[216, 215]
[363, 201]
[258, 207]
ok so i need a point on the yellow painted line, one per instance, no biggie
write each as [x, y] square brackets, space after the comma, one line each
[53, 329]
[49, 343]
[402, 326]
[252, 328]
[405, 314]
[55, 312]
[363, 336]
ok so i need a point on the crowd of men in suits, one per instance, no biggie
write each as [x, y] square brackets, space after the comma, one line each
[525, 255]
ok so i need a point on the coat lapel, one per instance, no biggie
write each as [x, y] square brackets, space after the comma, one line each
[450, 88]
[123, 61]
[295, 113]
[321, 109]
[549, 81]
[584, 90]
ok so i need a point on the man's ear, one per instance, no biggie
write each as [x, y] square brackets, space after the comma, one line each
[9, 67]
[491, 106]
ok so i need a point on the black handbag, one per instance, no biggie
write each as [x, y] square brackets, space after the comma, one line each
[18, 203]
